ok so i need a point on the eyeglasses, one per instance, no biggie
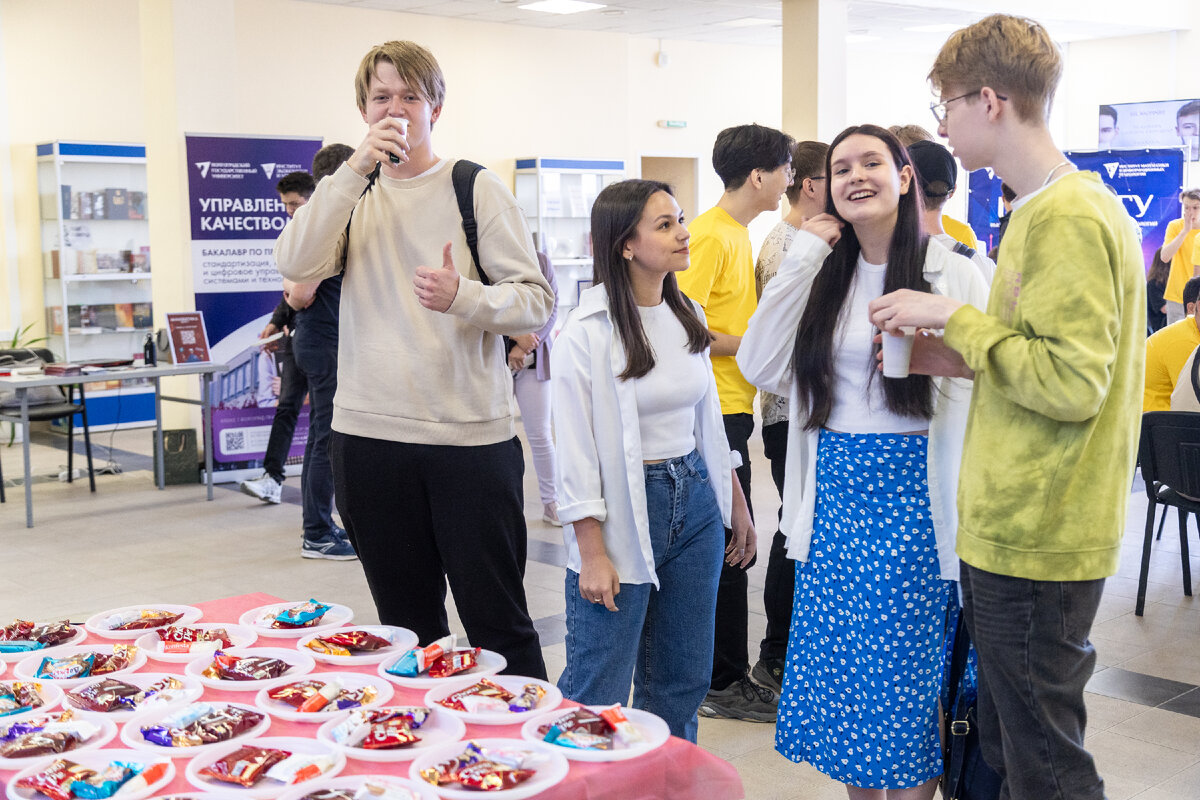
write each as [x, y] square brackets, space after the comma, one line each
[939, 109]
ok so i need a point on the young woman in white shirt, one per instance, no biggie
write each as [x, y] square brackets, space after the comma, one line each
[872, 469]
[645, 480]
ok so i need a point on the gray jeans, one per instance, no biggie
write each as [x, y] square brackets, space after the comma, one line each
[1175, 312]
[1034, 661]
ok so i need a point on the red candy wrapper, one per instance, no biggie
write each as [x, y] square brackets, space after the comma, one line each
[244, 766]
[179, 639]
[484, 688]
[228, 667]
[491, 777]
[389, 735]
[120, 658]
[356, 641]
[453, 662]
[55, 780]
[145, 619]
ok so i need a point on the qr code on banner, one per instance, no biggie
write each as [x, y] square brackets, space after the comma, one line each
[234, 441]
[187, 337]
[247, 440]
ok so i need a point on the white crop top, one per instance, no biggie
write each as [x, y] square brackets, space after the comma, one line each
[668, 394]
[859, 406]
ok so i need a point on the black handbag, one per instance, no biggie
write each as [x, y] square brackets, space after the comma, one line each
[967, 776]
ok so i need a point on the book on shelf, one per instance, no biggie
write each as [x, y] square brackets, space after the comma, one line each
[65, 194]
[143, 315]
[76, 206]
[54, 320]
[124, 312]
[50, 264]
[116, 203]
[88, 262]
[137, 205]
[85, 205]
[74, 316]
[110, 261]
[105, 316]
[99, 205]
[140, 260]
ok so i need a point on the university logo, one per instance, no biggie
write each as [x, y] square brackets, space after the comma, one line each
[1111, 168]
[203, 167]
[268, 170]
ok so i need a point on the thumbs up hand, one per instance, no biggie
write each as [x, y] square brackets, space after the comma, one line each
[436, 288]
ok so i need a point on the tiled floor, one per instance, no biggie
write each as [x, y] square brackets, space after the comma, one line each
[130, 543]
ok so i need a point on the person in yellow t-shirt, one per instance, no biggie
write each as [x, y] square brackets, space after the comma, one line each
[755, 166]
[1179, 250]
[1168, 350]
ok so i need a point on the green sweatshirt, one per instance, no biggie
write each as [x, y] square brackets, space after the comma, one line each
[1053, 429]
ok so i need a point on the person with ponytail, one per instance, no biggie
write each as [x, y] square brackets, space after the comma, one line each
[645, 476]
[872, 470]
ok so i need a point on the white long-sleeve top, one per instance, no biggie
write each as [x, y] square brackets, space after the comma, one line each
[599, 472]
[765, 358]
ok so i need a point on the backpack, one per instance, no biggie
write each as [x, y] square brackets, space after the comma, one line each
[962, 250]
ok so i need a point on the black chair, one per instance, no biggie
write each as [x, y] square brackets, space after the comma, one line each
[1169, 454]
[66, 408]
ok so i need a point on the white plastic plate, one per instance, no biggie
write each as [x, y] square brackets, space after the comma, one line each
[240, 635]
[97, 760]
[95, 624]
[108, 729]
[131, 733]
[513, 683]
[259, 619]
[403, 640]
[301, 665]
[27, 669]
[51, 695]
[349, 680]
[549, 772]
[172, 697]
[438, 729]
[266, 788]
[653, 728]
[80, 635]
[352, 783]
[487, 664]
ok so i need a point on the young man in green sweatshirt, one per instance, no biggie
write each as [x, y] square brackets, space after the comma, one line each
[1052, 435]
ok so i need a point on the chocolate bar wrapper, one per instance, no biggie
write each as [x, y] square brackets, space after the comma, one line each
[388, 735]
[294, 694]
[228, 667]
[329, 794]
[531, 695]
[488, 776]
[138, 620]
[53, 633]
[355, 641]
[453, 662]
[106, 783]
[484, 688]
[105, 695]
[19, 696]
[55, 780]
[244, 766]
[120, 658]
[300, 767]
[304, 615]
[76, 666]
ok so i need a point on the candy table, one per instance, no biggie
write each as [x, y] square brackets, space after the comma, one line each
[676, 771]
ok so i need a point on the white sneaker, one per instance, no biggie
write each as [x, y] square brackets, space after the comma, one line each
[550, 514]
[264, 487]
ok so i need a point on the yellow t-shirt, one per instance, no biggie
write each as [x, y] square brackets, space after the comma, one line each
[960, 231]
[1166, 353]
[721, 280]
[1182, 267]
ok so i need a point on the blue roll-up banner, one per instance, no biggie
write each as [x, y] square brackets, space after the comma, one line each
[1148, 181]
[236, 216]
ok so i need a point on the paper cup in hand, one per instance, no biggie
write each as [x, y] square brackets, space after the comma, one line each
[395, 159]
[897, 352]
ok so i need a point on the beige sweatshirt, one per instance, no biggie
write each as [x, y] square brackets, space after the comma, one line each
[406, 373]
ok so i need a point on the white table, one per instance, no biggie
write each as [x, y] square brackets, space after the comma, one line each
[22, 383]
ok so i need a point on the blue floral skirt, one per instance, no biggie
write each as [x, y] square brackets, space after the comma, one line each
[864, 659]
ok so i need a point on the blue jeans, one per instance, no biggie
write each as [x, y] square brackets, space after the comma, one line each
[317, 359]
[1034, 661]
[660, 639]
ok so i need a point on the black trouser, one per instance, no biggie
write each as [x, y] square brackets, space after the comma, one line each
[419, 515]
[292, 388]
[1034, 661]
[316, 357]
[780, 585]
[731, 659]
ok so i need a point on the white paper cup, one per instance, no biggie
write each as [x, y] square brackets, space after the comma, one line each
[897, 352]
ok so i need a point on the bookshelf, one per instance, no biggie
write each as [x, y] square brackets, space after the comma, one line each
[95, 241]
[556, 195]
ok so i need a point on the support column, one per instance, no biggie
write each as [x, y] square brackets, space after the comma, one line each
[814, 68]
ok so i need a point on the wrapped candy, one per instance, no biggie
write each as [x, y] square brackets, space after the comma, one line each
[17, 697]
[453, 662]
[23, 636]
[359, 724]
[180, 639]
[417, 660]
[480, 769]
[300, 767]
[228, 667]
[120, 658]
[53, 738]
[531, 695]
[489, 776]
[105, 695]
[389, 735]
[580, 729]
[304, 615]
[201, 723]
[76, 666]
[55, 780]
[105, 783]
[624, 731]
[19, 646]
[485, 689]
[245, 766]
[329, 794]
[52, 633]
[347, 643]
[139, 619]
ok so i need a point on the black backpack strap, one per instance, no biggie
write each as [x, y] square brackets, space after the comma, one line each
[963, 250]
[463, 176]
[1196, 374]
[370, 183]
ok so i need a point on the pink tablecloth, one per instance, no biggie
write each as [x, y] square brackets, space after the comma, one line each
[676, 771]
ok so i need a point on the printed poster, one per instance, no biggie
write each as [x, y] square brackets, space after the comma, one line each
[236, 216]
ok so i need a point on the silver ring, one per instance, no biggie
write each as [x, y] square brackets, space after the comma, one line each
[595, 599]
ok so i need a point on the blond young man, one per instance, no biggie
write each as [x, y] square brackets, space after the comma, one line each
[427, 469]
[1181, 252]
[1052, 434]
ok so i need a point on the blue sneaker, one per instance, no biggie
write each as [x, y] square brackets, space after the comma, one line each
[331, 546]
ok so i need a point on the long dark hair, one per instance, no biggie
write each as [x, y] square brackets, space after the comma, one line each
[812, 357]
[1159, 270]
[615, 216]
